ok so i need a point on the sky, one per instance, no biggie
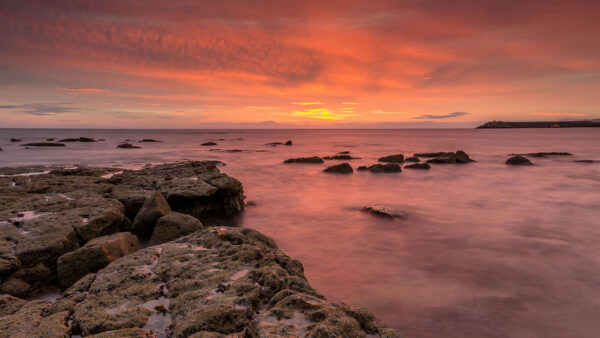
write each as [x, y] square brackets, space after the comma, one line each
[297, 64]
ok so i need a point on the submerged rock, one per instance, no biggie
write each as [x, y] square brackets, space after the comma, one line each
[314, 159]
[398, 158]
[418, 166]
[79, 139]
[341, 157]
[438, 154]
[545, 154]
[209, 144]
[288, 143]
[585, 161]
[15, 140]
[459, 157]
[344, 152]
[518, 160]
[146, 140]
[155, 207]
[412, 159]
[214, 282]
[342, 168]
[94, 255]
[384, 211]
[43, 144]
[127, 146]
[172, 226]
[382, 168]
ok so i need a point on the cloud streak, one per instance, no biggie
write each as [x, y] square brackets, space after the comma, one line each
[41, 109]
[438, 117]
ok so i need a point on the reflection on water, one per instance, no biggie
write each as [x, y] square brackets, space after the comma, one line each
[484, 250]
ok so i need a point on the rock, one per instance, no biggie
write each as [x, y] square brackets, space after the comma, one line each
[314, 159]
[1, 149]
[341, 157]
[412, 159]
[459, 157]
[344, 152]
[418, 166]
[518, 160]
[10, 304]
[342, 168]
[172, 226]
[94, 255]
[585, 161]
[43, 144]
[15, 286]
[398, 158]
[155, 207]
[438, 154]
[288, 143]
[362, 167]
[384, 211]
[384, 168]
[208, 144]
[545, 154]
[80, 139]
[50, 139]
[15, 140]
[127, 146]
[30, 321]
[149, 140]
[214, 282]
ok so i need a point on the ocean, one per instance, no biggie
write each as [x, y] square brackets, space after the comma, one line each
[484, 250]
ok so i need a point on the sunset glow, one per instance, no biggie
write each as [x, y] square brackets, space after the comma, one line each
[265, 64]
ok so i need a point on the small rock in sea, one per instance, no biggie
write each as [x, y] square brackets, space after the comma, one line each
[418, 166]
[314, 159]
[384, 211]
[438, 154]
[127, 146]
[80, 139]
[579, 161]
[412, 159]
[546, 154]
[208, 144]
[288, 143]
[1, 149]
[341, 157]
[43, 144]
[362, 167]
[344, 152]
[398, 158]
[342, 168]
[149, 140]
[274, 144]
[15, 140]
[50, 139]
[459, 157]
[518, 160]
[384, 168]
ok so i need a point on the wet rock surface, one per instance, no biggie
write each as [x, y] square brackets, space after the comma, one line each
[342, 168]
[54, 211]
[459, 157]
[384, 211]
[172, 226]
[518, 160]
[215, 282]
[398, 158]
[418, 166]
[314, 159]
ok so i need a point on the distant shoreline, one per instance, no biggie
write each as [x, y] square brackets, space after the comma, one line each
[540, 124]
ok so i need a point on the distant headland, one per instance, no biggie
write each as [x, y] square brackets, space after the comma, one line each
[541, 124]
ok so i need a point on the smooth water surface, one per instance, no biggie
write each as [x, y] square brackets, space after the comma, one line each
[485, 250]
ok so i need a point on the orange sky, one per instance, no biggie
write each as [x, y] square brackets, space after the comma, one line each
[268, 64]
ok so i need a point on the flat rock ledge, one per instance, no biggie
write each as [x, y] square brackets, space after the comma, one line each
[217, 282]
[53, 212]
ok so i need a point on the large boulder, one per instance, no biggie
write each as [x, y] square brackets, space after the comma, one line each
[459, 157]
[30, 321]
[342, 168]
[214, 282]
[518, 160]
[314, 159]
[172, 226]
[155, 207]
[398, 158]
[94, 255]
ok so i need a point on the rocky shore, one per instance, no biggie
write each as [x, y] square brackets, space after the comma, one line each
[540, 124]
[78, 231]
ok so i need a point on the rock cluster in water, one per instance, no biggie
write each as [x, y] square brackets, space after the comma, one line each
[214, 281]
